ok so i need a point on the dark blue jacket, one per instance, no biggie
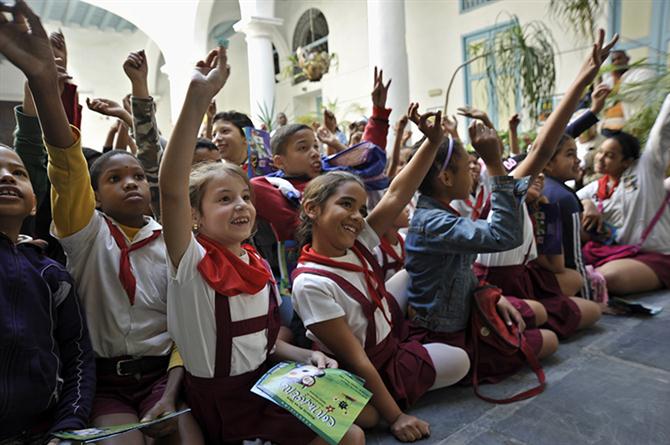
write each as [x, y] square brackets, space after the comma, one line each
[47, 365]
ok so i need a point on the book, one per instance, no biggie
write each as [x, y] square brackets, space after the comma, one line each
[259, 153]
[326, 400]
[89, 435]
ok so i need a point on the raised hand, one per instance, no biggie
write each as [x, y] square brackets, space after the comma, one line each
[598, 55]
[514, 122]
[380, 91]
[136, 67]
[105, 107]
[475, 113]
[326, 136]
[450, 126]
[329, 120]
[598, 97]
[485, 141]
[58, 46]
[211, 74]
[62, 76]
[25, 43]
[430, 124]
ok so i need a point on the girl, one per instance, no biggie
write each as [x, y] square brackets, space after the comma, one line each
[223, 304]
[627, 198]
[340, 294]
[125, 311]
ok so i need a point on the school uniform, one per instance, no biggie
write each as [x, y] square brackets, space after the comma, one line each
[478, 204]
[517, 274]
[223, 315]
[391, 257]
[121, 277]
[325, 289]
[638, 196]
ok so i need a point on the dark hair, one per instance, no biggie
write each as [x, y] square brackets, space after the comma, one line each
[205, 143]
[98, 167]
[630, 146]
[91, 155]
[565, 138]
[240, 120]
[279, 140]
[426, 187]
[318, 191]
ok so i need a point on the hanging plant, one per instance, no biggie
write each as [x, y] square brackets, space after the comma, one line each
[580, 15]
[519, 58]
[312, 64]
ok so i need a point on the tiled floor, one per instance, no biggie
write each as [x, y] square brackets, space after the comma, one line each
[609, 385]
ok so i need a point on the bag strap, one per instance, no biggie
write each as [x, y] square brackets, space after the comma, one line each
[655, 219]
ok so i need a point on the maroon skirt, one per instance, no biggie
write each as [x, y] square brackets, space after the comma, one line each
[493, 366]
[532, 282]
[404, 366]
[228, 412]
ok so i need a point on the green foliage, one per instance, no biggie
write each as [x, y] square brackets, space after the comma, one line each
[521, 58]
[267, 115]
[652, 93]
[580, 15]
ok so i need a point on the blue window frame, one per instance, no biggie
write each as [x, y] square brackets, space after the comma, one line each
[478, 89]
[468, 5]
[656, 41]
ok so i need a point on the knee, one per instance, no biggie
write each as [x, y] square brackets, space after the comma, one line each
[549, 343]
[614, 280]
[589, 312]
[461, 365]
[540, 312]
[354, 436]
[575, 281]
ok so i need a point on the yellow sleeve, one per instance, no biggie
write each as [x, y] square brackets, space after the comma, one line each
[175, 358]
[72, 198]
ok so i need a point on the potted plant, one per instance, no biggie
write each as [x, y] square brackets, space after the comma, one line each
[311, 64]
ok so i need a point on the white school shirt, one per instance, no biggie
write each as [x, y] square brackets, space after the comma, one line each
[516, 256]
[115, 326]
[640, 192]
[192, 319]
[316, 298]
[463, 208]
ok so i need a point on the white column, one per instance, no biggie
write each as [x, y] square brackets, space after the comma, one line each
[387, 50]
[258, 31]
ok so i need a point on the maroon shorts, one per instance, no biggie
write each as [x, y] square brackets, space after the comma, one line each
[532, 282]
[493, 365]
[127, 395]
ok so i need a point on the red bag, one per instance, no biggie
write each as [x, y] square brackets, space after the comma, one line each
[490, 328]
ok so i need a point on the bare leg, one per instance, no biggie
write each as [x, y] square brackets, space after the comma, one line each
[368, 418]
[570, 281]
[132, 438]
[628, 276]
[353, 436]
[539, 310]
[590, 312]
[549, 343]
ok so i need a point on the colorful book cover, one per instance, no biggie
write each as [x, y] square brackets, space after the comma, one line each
[90, 435]
[259, 153]
[326, 400]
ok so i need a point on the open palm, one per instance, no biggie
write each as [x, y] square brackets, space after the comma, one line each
[212, 73]
[25, 42]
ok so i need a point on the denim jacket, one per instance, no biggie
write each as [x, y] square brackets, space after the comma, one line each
[442, 246]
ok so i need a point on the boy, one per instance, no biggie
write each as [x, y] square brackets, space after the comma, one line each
[228, 136]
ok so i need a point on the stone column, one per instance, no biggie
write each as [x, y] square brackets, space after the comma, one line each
[258, 30]
[387, 50]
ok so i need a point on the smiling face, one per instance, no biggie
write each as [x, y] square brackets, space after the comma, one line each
[230, 142]
[338, 221]
[226, 212]
[564, 166]
[123, 191]
[301, 156]
[17, 199]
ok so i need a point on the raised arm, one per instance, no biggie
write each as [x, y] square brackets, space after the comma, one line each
[377, 127]
[208, 78]
[405, 184]
[144, 123]
[392, 166]
[513, 124]
[545, 144]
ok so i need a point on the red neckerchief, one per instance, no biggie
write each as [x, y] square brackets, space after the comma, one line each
[227, 274]
[477, 208]
[387, 249]
[604, 192]
[374, 287]
[125, 270]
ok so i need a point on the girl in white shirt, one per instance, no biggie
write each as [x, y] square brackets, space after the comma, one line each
[340, 295]
[222, 299]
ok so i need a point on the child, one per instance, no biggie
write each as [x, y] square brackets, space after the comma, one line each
[343, 302]
[48, 365]
[627, 198]
[478, 204]
[391, 250]
[222, 299]
[126, 311]
[205, 151]
[228, 136]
